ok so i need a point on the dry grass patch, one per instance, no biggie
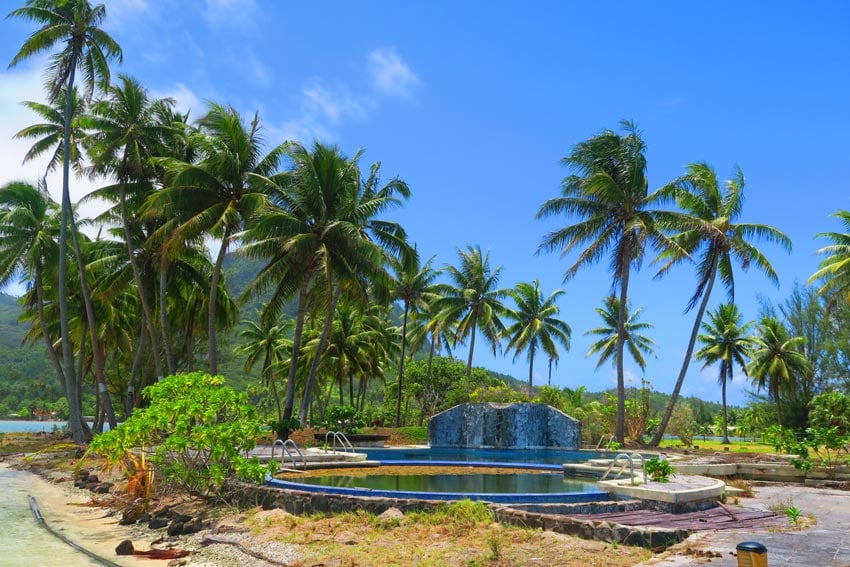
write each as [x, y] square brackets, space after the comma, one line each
[462, 533]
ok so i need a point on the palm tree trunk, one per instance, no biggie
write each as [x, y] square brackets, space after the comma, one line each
[401, 364]
[723, 397]
[134, 371]
[42, 321]
[471, 348]
[75, 422]
[163, 314]
[659, 433]
[621, 341]
[351, 387]
[268, 375]
[531, 367]
[314, 366]
[340, 388]
[778, 405]
[429, 388]
[216, 276]
[99, 371]
[296, 350]
[137, 277]
[189, 339]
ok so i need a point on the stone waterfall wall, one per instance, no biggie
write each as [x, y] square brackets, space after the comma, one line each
[515, 425]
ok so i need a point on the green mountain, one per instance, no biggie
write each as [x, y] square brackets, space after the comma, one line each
[26, 377]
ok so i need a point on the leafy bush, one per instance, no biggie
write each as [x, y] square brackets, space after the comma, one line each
[283, 427]
[497, 392]
[817, 446]
[831, 409]
[659, 470]
[682, 423]
[344, 418]
[552, 396]
[194, 432]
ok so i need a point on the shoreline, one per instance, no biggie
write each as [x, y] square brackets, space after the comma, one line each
[69, 510]
[66, 509]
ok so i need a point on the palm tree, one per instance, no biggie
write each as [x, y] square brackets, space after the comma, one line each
[73, 23]
[125, 135]
[217, 195]
[271, 343]
[426, 326]
[413, 285]
[713, 235]
[637, 344]
[608, 196]
[29, 227]
[472, 302]
[177, 144]
[777, 359]
[834, 270]
[536, 323]
[321, 230]
[48, 135]
[725, 340]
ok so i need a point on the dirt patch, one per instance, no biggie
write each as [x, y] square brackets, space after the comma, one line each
[423, 539]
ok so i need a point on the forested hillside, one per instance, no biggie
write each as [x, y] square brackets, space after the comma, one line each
[26, 377]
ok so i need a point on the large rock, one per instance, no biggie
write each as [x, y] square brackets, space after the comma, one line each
[125, 548]
[514, 425]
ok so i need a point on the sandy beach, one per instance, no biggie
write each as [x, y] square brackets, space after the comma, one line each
[64, 508]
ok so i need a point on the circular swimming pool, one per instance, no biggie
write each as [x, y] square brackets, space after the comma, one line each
[449, 481]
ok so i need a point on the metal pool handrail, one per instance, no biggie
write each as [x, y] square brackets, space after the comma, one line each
[626, 458]
[343, 441]
[288, 447]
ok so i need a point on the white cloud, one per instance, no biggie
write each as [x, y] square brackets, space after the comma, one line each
[332, 105]
[121, 13]
[15, 87]
[320, 109]
[186, 99]
[322, 106]
[391, 76]
[231, 14]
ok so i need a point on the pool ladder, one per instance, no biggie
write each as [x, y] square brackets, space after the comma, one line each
[344, 443]
[626, 459]
[608, 444]
[291, 450]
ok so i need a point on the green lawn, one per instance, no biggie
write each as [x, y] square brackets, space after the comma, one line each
[736, 446]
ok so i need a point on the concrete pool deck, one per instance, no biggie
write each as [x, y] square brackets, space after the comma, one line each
[826, 543]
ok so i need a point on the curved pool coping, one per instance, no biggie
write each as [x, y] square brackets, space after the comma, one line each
[495, 497]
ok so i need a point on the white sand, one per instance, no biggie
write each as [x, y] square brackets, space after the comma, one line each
[86, 526]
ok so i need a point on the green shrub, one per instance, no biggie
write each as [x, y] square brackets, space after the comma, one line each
[659, 470]
[343, 418]
[195, 432]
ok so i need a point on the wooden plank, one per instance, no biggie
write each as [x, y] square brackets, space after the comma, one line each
[712, 519]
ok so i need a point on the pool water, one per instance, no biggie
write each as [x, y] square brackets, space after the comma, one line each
[542, 456]
[520, 482]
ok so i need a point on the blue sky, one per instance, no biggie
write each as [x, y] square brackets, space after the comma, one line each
[473, 104]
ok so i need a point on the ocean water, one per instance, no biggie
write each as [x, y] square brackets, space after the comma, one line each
[16, 426]
[23, 541]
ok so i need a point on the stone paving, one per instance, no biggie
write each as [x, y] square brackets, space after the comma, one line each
[824, 544]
